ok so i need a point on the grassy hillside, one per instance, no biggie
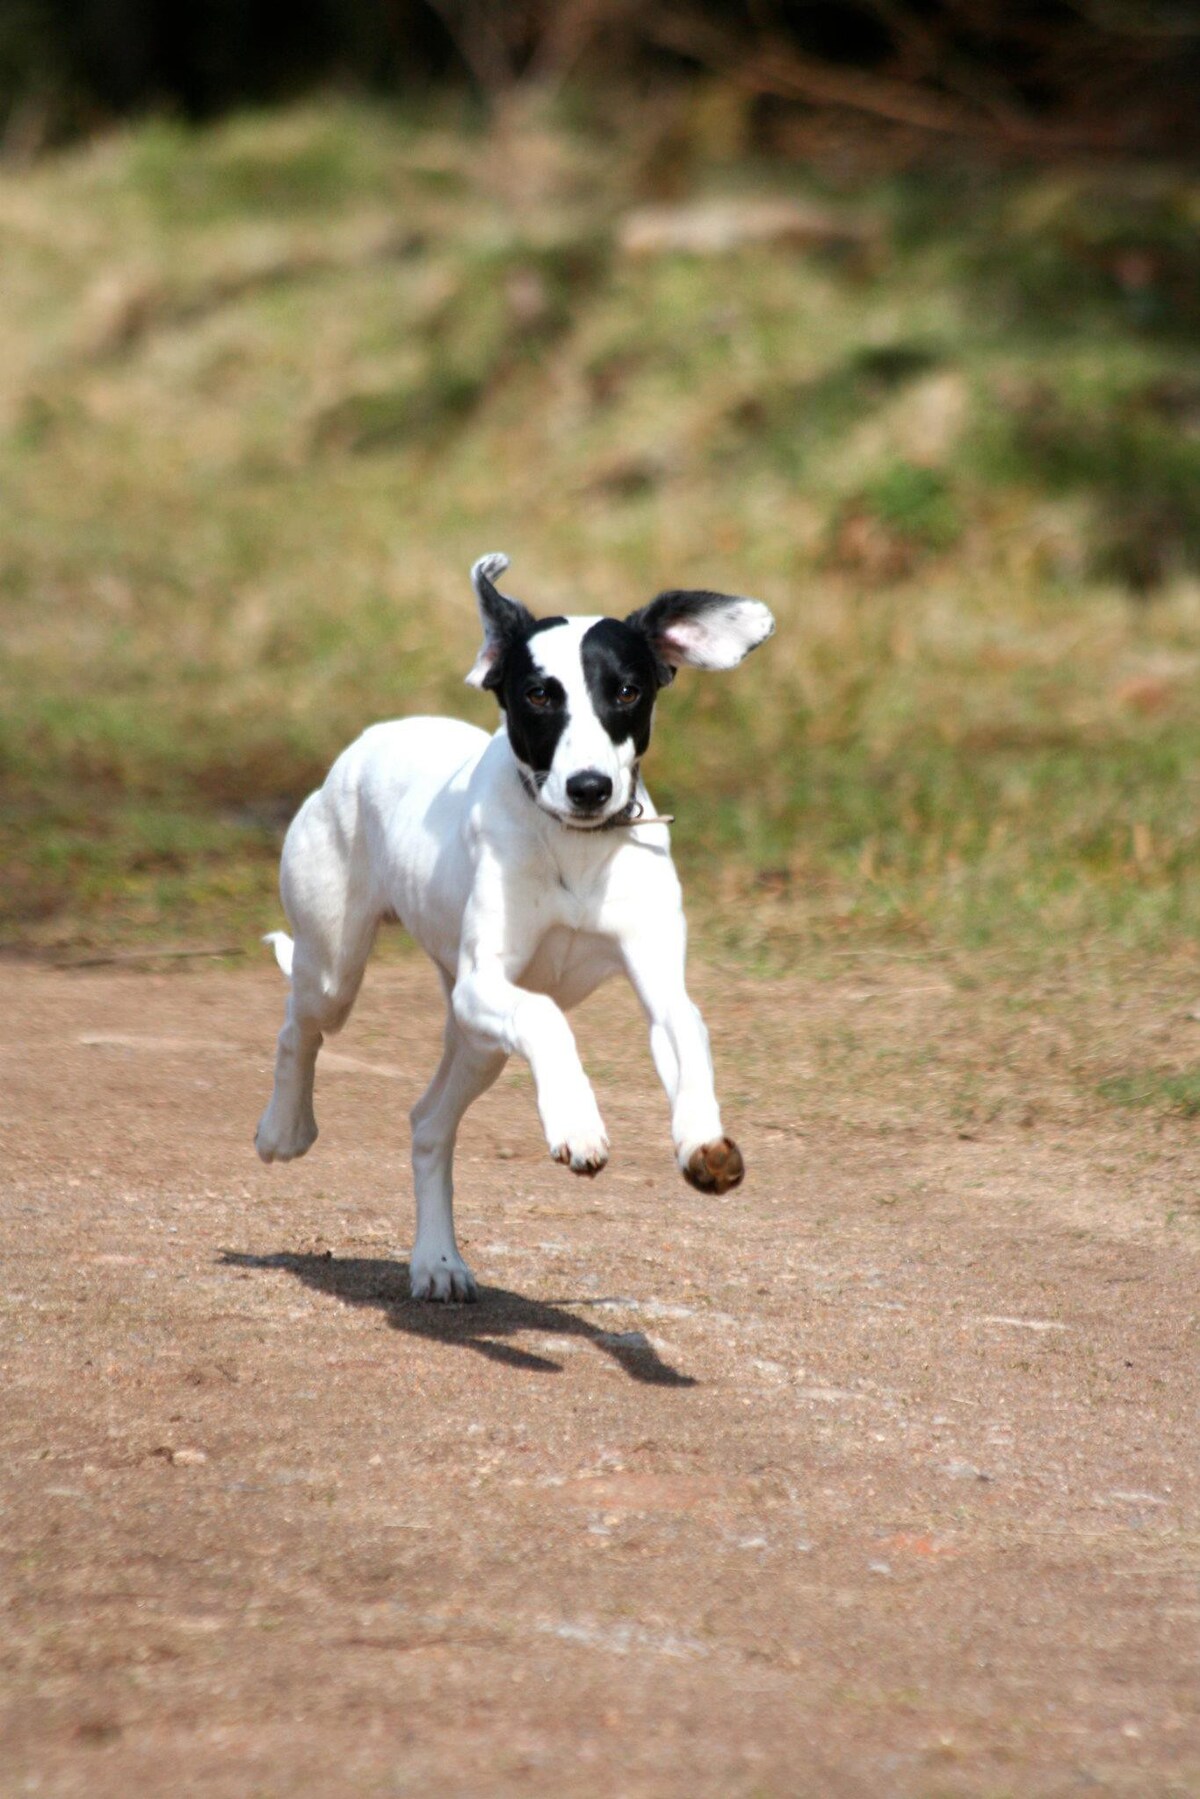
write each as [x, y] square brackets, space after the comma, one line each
[266, 391]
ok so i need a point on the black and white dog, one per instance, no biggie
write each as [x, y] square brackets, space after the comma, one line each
[529, 867]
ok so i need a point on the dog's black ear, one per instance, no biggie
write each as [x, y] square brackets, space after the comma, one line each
[697, 629]
[504, 620]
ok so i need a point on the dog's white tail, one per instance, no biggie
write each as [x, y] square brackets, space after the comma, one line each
[282, 944]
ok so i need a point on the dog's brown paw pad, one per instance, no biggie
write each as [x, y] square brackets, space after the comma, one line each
[715, 1167]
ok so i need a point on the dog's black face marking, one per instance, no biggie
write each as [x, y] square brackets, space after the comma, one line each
[622, 680]
[534, 703]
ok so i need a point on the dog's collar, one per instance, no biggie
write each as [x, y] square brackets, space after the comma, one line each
[632, 814]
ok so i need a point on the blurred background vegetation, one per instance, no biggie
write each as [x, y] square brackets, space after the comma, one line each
[887, 313]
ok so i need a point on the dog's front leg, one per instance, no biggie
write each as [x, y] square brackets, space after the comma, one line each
[496, 1014]
[654, 961]
[493, 1011]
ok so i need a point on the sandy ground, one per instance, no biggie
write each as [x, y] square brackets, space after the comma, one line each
[878, 1477]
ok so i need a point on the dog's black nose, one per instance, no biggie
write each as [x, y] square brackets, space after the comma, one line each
[589, 789]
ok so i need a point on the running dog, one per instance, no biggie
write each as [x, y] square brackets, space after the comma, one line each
[530, 867]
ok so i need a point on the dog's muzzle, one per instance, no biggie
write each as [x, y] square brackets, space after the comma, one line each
[630, 814]
[589, 791]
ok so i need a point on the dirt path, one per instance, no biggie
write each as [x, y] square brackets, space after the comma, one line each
[879, 1478]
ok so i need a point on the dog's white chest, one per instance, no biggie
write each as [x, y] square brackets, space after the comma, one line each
[569, 964]
[575, 911]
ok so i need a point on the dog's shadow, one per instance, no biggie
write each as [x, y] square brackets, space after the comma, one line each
[485, 1328]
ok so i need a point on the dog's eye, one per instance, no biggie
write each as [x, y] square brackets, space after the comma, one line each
[628, 694]
[538, 697]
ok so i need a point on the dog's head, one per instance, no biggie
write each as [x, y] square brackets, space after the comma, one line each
[578, 693]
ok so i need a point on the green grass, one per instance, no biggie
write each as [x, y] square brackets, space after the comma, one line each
[267, 389]
[1166, 1090]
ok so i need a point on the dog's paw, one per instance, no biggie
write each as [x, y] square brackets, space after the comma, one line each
[443, 1276]
[715, 1167]
[575, 1133]
[582, 1155]
[282, 1140]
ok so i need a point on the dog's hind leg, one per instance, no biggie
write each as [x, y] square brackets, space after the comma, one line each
[437, 1271]
[334, 917]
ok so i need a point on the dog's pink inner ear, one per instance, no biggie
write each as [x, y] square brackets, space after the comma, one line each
[683, 642]
[483, 665]
[699, 629]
